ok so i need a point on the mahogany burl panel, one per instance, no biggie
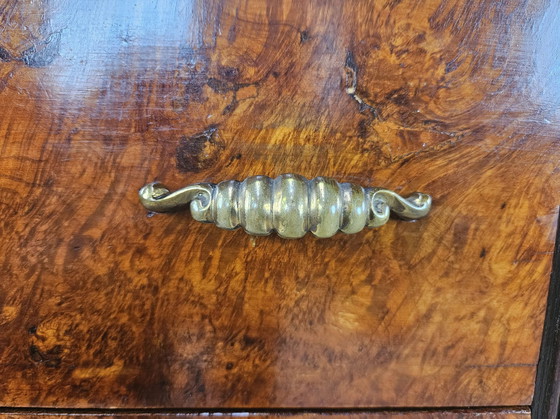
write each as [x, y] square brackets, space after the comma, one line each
[105, 305]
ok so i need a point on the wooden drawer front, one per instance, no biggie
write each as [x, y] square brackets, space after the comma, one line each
[105, 305]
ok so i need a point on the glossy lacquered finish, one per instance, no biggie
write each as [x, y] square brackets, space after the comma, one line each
[103, 304]
[291, 205]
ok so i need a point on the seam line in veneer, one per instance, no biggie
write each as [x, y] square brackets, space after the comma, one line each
[258, 411]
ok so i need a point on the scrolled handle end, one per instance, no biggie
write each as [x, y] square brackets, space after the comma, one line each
[156, 197]
[414, 207]
[420, 205]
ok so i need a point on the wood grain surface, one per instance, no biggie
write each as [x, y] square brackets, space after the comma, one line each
[104, 305]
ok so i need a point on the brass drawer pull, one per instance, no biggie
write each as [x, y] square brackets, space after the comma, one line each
[291, 205]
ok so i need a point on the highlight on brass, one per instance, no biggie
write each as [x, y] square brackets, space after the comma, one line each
[291, 205]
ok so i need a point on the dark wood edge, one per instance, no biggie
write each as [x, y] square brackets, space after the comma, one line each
[547, 385]
[478, 410]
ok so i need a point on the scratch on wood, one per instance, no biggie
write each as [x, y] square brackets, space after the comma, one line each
[351, 71]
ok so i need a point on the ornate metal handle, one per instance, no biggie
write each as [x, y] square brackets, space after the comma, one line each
[290, 204]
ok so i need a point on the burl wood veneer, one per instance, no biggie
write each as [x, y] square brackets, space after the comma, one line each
[103, 304]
